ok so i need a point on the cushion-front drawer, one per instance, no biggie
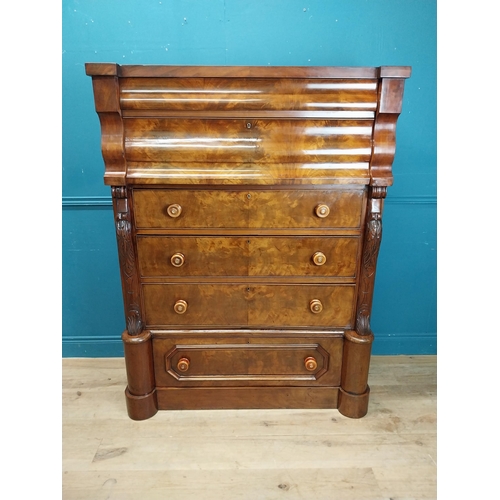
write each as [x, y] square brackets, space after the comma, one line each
[238, 141]
[176, 209]
[213, 304]
[237, 360]
[247, 256]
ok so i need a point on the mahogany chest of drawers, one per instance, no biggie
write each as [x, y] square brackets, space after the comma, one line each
[248, 210]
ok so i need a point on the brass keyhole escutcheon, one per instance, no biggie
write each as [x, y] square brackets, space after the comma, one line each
[310, 363]
[180, 307]
[177, 259]
[319, 258]
[316, 306]
[183, 365]
[322, 210]
[174, 210]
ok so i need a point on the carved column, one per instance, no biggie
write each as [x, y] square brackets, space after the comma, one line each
[371, 246]
[354, 390]
[140, 392]
[127, 258]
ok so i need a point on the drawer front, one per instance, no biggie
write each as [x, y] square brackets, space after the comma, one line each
[240, 141]
[242, 305]
[262, 361]
[206, 305]
[247, 256]
[178, 209]
[192, 256]
[293, 305]
[245, 94]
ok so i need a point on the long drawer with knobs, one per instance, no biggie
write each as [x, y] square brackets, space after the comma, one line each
[246, 304]
[208, 256]
[248, 209]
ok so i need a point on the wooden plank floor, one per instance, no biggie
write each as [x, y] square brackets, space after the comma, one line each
[250, 454]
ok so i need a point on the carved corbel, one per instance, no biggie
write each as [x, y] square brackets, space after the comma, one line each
[371, 246]
[127, 259]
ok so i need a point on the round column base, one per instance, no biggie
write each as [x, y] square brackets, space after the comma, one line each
[353, 405]
[141, 407]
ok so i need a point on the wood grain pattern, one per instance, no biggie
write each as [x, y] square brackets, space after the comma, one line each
[247, 141]
[244, 150]
[106, 96]
[255, 95]
[288, 306]
[384, 131]
[244, 398]
[140, 393]
[230, 94]
[247, 304]
[247, 256]
[245, 72]
[248, 209]
[173, 174]
[254, 360]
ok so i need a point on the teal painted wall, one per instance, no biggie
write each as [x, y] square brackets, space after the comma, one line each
[237, 32]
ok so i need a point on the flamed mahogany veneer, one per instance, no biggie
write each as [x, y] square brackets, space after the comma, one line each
[248, 210]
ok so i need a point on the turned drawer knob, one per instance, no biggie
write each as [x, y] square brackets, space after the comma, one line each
[322, 210]
[174, 210]
[316, 306]
[177, 259]
[180, 307]
[183, 364]
[319, 258]
[310, 363]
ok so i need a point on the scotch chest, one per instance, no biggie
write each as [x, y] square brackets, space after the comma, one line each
[248, 209]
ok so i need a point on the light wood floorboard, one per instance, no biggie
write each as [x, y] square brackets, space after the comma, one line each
[250, 454]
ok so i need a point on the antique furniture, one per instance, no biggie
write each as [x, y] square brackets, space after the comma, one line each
[248, 205]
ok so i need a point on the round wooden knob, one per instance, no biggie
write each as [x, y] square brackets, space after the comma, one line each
[319, 258]
[316, 306]
[177, 259]
[322, 210]
[183, 364]
[310, 363]
[174, 210]
[180, 307]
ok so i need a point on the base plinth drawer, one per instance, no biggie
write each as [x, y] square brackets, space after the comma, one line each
[213, 304]
[176, 209]
[237, 361]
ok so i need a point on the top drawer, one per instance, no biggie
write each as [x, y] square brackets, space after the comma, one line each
[321, 209]
[210, 94]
